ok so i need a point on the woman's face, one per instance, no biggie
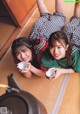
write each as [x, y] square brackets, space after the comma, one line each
[58, 51]
[23, 54]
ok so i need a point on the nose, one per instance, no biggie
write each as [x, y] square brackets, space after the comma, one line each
[56, 51]
[22, 55]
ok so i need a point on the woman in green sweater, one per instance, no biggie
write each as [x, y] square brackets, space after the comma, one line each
[60, 55]
[63, 53]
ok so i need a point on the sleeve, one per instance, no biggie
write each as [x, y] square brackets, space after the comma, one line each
[43, 68]
[76, 61]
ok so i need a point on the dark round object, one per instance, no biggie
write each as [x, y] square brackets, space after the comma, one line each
[15, 105]
[20, 103]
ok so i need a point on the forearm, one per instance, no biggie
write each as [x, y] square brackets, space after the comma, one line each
[67, 71]
[27, 74]
[37, 72]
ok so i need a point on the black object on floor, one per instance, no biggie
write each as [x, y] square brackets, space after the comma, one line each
[17, 101]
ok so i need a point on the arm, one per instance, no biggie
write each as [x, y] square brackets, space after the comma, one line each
[27, 74]
[30, 69]
[63, 71]
[37, 72]
[41, 6]
[60, 71]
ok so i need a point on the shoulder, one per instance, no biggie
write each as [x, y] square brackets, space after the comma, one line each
[76, 61]
[48, 61]
[76, 53]
[76, 56]
[46, 55]
[46, 58]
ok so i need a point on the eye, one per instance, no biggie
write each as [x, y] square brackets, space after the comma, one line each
[52, 46]
[59, 47]
[17, 53]
[24, 50]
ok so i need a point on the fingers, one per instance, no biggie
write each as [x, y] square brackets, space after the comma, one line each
[26, 69]
[53, 68]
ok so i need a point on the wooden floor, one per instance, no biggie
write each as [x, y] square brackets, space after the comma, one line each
[7, 26]
[60, 96]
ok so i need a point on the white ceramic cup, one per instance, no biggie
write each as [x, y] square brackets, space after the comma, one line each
[22, 65]
[50, 73]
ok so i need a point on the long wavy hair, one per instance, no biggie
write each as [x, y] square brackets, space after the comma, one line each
[23, 41]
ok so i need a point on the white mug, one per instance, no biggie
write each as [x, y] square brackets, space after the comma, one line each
[50, 73]
[22, 65]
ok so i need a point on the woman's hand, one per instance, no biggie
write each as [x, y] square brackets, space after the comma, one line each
[58, 72]
[26, 69]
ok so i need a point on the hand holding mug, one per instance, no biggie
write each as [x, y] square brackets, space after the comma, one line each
[24, 66]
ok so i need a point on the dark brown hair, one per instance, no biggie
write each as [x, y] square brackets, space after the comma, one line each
[23, 41]
[61, 36]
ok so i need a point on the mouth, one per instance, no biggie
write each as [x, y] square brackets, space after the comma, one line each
[56, 55]
[24, 59]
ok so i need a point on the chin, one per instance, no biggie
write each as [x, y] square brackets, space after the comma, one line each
[57, 58]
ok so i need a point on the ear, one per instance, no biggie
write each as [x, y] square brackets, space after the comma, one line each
[67, 47]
